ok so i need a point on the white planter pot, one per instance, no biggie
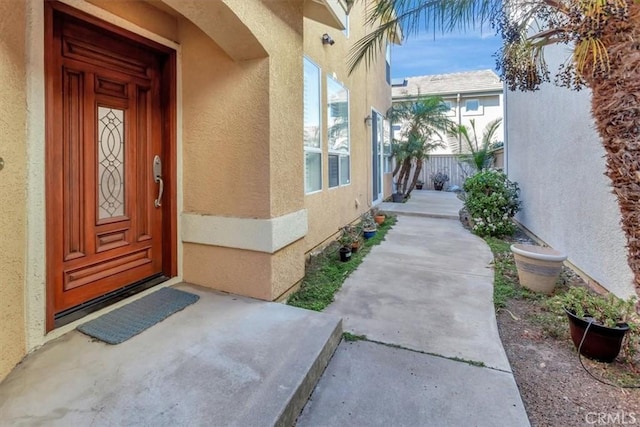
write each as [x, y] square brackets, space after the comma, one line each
[538, 267]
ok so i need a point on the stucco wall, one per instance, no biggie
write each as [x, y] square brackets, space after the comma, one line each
[332, 208]
[12, 183]
[555, 155]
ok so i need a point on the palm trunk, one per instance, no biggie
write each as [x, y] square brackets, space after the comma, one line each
[416, 174]
[404, 172]
[396, 169]
[405, 178]
[615, 106]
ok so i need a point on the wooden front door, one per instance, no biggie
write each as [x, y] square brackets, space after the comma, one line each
[108, 173]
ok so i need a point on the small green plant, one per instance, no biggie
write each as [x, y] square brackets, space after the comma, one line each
[348, 336]
[350, 235]
[492, 200]
[439, 178]
[367, 222]
[607, 310]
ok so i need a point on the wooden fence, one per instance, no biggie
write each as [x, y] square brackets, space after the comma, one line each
[455, 170]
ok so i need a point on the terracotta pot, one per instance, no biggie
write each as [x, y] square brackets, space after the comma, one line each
[601, 343]
[354, 247]
[379, 219]
[538, 267]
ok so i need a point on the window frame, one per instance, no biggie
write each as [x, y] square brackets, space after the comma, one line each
[478, 112]
[308, 149]
[332, 152]
[451, 110]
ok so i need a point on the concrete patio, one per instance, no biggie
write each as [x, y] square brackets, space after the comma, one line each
[224, 361]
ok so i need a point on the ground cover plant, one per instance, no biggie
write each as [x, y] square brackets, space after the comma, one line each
[325, 273]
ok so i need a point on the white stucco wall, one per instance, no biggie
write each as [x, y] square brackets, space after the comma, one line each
[492, 108]
[555, 155]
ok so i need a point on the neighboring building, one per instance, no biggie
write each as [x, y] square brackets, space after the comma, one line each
[555, 155]
[144, 142]
[469, 95]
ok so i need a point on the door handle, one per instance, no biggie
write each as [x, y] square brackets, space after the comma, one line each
[157, 177]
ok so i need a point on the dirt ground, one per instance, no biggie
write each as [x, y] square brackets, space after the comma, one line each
[555, 388]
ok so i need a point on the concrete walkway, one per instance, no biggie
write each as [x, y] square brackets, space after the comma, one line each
[433, 355]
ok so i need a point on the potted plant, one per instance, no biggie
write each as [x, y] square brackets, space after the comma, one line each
[369, 226]
[351, 237]
[439, 180]
[419, 184]
[346, 242]
[378, 216]
[598, 323]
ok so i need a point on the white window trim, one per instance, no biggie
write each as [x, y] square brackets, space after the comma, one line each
[317, 150]
[480, 110]
[340, 153]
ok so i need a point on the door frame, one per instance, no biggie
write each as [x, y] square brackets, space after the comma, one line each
[377, 198]
[169, 140]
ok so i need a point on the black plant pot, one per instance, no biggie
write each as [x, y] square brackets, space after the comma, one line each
[438, 186]
[601, 343]
[419, 186]
[397, 197]
[345, 254]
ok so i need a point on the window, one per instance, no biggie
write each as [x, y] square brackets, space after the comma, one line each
[386, 147]
[338, 133]
[450, 109]
[312, 117]
[472, 107]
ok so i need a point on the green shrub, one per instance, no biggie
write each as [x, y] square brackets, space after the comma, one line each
[492, 200]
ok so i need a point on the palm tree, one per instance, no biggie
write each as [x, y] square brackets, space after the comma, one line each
[423, 121]
[603, 41]
[479, 154]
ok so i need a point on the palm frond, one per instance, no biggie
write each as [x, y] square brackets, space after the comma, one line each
[411, 16]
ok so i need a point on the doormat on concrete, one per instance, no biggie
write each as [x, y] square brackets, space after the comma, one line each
[127, 321]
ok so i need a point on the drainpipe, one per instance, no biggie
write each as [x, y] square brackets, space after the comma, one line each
[505, 144]
[458, 100]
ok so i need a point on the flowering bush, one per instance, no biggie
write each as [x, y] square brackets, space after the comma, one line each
[492, 200]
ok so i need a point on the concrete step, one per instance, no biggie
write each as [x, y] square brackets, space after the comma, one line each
[424, 203]
[226, 360]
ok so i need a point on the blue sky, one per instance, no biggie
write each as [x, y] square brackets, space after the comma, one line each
[422, 54]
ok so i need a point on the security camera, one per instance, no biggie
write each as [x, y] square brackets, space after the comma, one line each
[326, 39]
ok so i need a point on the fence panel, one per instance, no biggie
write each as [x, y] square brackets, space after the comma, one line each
[448, 164]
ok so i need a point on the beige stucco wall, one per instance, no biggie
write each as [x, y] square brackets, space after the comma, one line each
[332, 208]
[566, 200]
[12, 183]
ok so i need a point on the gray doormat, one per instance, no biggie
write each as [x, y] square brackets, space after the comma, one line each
[127, 321]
